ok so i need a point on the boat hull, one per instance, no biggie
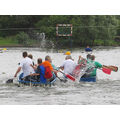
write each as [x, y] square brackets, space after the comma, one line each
[34, 81]
[88, 79]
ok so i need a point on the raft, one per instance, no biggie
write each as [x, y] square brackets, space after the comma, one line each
[88, 79]
[34, 82]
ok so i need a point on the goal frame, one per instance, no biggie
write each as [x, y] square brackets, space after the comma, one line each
[63, 25]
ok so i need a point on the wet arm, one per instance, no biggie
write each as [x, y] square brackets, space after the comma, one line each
[18, 70]
[61, 67]
[34, 74]
[34, 67]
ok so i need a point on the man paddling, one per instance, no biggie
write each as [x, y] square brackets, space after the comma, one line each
[25, 65]
[68, 65]
[91, 72]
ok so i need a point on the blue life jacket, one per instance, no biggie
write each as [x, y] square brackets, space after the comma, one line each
[88, 49]
[41, 71]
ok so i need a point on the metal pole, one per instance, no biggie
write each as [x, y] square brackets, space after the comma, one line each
[70, 43]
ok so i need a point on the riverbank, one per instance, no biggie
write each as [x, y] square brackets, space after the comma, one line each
[13, 42]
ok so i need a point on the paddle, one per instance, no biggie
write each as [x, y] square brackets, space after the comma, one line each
[68, 76]
[10, 80]
[76, 71]
[106, 70]
[79, 71]
[113, 68]
[61, 79]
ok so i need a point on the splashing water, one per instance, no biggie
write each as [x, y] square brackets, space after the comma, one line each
[105, 91]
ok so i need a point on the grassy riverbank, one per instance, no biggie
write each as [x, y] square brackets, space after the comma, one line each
[8, 41]
[13, 42]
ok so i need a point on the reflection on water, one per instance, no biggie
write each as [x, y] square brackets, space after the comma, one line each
[105, 91]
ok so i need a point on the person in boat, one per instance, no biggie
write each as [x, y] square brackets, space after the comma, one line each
[80, 67]
[25, 65]
[82, 60]
[88, 49]
[31, 57]
[47, 64]
[40, 72]
[68, 65]
[91, 73]
[88, 57]
[34, 66]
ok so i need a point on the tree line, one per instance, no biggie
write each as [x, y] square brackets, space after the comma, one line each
[87, 29]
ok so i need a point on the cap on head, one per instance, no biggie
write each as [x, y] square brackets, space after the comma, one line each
[68, 53]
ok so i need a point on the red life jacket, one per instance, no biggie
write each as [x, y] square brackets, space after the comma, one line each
[48, 73]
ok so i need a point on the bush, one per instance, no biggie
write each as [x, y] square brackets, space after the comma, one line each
[99, 42]
[23, 38]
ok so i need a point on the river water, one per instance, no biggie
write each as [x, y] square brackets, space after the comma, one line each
[105, 91]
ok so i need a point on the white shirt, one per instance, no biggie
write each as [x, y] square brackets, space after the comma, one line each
[26, 66]
[69, 65]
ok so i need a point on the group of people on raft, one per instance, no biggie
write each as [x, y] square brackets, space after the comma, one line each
[45, 71]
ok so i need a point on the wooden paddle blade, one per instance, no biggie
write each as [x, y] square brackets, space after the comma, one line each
[106, 70]
[70, 77]
[113, 68]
